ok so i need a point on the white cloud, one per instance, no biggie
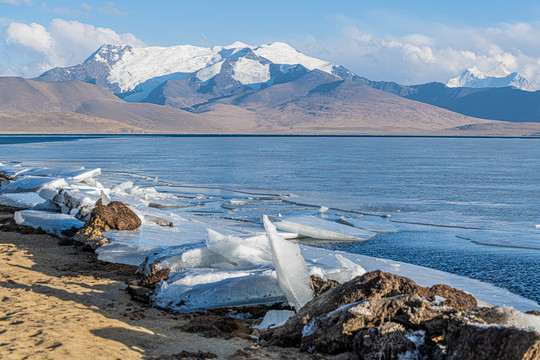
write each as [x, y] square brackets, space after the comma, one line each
[62, 43]
[33, 36]
[438, 54]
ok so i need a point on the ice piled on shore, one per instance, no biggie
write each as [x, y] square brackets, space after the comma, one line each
[214, 261]
[51, 223]
[21, 200]
[31, 184]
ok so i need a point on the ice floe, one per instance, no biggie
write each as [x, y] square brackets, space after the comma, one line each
[317, 228]
[523, 240]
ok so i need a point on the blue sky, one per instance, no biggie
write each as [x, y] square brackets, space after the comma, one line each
[408, 41]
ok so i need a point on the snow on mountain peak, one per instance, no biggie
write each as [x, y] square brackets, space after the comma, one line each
[496, 77]
[123, 69]
[499, 71]
[238, 45]
[282, 53]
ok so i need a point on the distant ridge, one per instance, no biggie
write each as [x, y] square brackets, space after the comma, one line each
[495, 78]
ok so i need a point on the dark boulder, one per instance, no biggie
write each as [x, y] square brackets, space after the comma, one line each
[372, 285]
[114, 216]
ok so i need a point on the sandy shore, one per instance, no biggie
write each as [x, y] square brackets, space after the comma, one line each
[59, 302]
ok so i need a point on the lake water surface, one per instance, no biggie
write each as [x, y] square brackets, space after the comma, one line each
[457, 185]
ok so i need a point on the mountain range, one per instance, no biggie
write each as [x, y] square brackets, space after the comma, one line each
[497, 77]
[246, 89]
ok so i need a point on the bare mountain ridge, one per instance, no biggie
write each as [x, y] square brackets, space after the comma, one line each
[75, 100]
[315, 103]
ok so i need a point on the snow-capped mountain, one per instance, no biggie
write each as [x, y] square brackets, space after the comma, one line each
[496, 77]
[133, 73]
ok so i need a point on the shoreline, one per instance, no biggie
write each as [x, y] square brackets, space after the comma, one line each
[61, 302]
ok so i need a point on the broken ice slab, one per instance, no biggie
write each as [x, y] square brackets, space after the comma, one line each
[317, 228]
[290, 267]
[200, 257]
[153, 235]
[200, 289]
[51, 223]
[522, 240]
[21, 200]
[371, 223]
[31, 184]
[274, 318]
[71, 172]
[242, 251]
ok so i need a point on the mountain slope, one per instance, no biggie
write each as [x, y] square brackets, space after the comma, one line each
[20, 96]
[322, 103]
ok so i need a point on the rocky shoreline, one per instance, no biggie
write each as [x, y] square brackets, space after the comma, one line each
[374, 316]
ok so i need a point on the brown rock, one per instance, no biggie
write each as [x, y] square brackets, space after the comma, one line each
[154, 277]
[334, 332]
[372, 285]
[387, 342]
[455, 298]
[494, 342]
[533, 312]
[320, 286]
[114, 216]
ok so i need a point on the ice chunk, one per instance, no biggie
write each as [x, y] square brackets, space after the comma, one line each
[51, 223]
[195, 258]
[21, 200]
[349, 272]
[371, 223]
[195, 290]
[290, 267]
[105, 199]
[523, 240]
[317, 228]
[274, 318]
[242, 251]
[31, 184]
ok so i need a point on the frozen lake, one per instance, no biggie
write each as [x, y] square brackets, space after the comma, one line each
[438, 192]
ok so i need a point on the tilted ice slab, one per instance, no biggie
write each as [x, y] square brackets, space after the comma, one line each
[371, 223]
[290, 266]
[200, 289]
[21, 200]
[31, 184]
[424, 276]
[317, 228]
[523, 240]
[51, 223]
